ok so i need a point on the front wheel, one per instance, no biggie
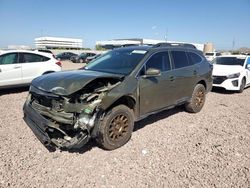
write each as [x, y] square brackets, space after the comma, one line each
[242, 85]
[116, 128]
[197, 100]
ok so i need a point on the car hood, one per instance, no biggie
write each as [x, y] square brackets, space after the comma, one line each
[68, 82]
[224, 70]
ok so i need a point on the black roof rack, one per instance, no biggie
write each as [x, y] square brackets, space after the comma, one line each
[166, 44]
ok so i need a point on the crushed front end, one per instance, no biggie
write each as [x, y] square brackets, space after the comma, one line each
[65, 122]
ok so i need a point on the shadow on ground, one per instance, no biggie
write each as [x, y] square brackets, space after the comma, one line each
[13, 90]
[223, 91]
[138, 125]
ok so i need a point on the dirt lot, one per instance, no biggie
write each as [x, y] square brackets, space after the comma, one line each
[171, 149]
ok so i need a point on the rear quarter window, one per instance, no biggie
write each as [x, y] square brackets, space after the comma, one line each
[194, 58]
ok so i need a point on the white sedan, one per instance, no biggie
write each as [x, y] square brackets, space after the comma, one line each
[231, 72]
[20, 67]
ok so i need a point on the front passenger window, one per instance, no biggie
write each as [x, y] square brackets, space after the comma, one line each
[159, 61]
[7, 59]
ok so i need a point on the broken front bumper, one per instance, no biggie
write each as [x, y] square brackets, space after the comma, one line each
[40, 126]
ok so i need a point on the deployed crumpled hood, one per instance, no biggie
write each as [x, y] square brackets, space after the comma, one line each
[68, 82]
[224, 70]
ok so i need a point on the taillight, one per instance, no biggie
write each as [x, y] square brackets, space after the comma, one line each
[59, 63]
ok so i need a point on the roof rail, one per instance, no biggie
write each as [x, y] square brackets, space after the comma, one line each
[166, 44]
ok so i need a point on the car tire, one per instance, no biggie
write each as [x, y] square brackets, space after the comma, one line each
[242, 85]
[197, 100]
[116, 128]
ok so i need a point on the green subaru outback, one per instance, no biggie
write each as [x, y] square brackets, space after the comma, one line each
[104, 99]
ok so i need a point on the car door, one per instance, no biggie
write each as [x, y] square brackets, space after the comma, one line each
[248, 71]
[10, 69]
[156, 92]
[32, 66]
[184, 75]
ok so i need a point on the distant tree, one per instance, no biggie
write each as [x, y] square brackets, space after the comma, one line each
[99, 47]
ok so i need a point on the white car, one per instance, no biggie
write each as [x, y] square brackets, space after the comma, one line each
[20, 67]
[212, 55]
[231, 72]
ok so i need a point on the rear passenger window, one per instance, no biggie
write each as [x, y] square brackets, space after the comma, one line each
[159, 61]
[194, 58]
[28, 58]
[180, 59]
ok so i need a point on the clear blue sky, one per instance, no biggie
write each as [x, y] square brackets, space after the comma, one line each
[198, 21]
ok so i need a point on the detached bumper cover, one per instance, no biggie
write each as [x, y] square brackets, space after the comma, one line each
[37, 123]
[40, 125]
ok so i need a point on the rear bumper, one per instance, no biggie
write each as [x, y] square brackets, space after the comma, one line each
[40, 127]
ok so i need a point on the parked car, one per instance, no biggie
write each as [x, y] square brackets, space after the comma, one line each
[90, 58]
[231, 72]
[19, 67]
[104, 99]
[82, 57]
[211, 55]
[65, 56]
[44, 50]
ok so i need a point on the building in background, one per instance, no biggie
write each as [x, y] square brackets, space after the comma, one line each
[115, 43]
[58, 43]
[209, 47]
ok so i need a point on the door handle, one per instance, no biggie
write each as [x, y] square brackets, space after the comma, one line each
[17, 67]
[195, 72]
[171, 78]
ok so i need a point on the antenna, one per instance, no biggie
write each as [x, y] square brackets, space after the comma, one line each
[233, 43]
[166, 35]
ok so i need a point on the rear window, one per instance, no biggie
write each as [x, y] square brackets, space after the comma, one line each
[180, 59]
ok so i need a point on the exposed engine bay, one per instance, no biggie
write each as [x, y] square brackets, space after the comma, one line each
[72, 118]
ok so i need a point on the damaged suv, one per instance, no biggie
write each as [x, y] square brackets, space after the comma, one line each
[104, 99]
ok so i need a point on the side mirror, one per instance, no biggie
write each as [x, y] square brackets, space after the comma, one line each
[151, 72]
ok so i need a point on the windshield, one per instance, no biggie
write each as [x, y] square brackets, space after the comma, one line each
[229, 61]
[117, 61]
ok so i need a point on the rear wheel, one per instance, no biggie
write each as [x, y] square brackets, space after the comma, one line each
[242, 85]
[116, 128]
[197, 100]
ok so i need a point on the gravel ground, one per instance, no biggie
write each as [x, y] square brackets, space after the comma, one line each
[170, 149]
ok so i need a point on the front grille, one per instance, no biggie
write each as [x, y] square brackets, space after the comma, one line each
[219, 79]
[42, 100]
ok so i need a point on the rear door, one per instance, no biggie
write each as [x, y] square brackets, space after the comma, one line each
[10, 69]
[156, 92]
[184, 74]
[32, 66]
